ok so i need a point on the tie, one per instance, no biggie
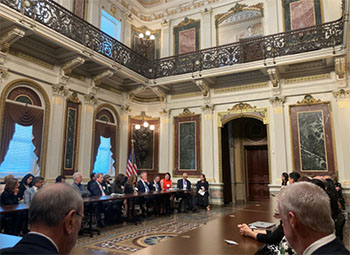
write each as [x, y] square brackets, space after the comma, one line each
[185, 184]
[146, 187]
[103, 193]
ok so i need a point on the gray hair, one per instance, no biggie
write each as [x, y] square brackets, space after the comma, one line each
[142, 173]
[98, 175]
[52, 203]
[311, 205]
[75, 175]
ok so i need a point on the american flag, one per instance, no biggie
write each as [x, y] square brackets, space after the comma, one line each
[131, 167]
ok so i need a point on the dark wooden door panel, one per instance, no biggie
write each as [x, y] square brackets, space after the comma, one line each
[257, 172]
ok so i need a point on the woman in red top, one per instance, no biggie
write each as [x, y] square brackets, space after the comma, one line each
[166, 182]
[168, 199]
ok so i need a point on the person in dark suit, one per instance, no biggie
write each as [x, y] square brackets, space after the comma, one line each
[56, 213]
[96, 190]
[92, 180]
[307, 221]
[38, 182]
[158, 201]
[185, 184]
[144, 186]
[203, 193]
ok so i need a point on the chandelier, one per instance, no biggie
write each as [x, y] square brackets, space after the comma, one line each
[145, 123]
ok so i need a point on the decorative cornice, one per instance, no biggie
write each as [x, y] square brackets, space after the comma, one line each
[274, 76]
[187, 95]
[243, 87]
[241, 107]
[90, 99]
[31, 59]
[309, 100]
[308, 78]
[238, 8]
[68, 67]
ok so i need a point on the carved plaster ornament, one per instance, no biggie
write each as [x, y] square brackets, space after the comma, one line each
[9, 38]
[342, 94]
[186, 112]
[68, 67]
[340, 67]
[74, 98]
[160, 93]
[59, 90]
[309, 100]
[274, 76]
[241, 107]
[277, 101]
[204, 87]
[96, 80]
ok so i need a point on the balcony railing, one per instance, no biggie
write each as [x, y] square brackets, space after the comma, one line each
[58, 18]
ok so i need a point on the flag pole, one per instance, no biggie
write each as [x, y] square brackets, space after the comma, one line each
[132, 151]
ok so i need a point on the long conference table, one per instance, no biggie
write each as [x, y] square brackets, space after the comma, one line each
[207, 239]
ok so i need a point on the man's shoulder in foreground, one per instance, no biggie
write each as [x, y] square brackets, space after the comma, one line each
[334, 247]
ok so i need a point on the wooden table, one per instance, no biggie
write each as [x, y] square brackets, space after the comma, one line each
[8, 240]
[13, 208]
[209, 239]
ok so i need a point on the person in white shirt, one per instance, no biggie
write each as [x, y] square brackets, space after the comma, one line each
[38, 182]
[307, 222]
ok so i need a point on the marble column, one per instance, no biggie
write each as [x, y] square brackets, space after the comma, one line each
[207, 143]
[124, 135]
[277, 138]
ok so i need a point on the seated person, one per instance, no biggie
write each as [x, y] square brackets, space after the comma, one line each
[307, 221]
[158, 201]
[92, 180]
[293, 177]
[118, 184]
[166, 184]
[143, 186]
[185, 184]
[106, 185]
[203, 192]
[264, 236]
[97, 190]
[24, 184]
[55, 213]
[13, 222]
[155, 184]
[61, 179]
[78, 178]
[38, 182]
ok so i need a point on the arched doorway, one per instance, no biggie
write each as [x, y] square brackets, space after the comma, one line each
[244, 154]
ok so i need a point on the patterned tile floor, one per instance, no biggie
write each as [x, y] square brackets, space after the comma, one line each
[129, 238]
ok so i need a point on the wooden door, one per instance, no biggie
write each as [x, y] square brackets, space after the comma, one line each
[226, 171]
[257, 165]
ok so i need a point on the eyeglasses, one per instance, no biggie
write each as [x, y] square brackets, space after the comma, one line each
[79, 214]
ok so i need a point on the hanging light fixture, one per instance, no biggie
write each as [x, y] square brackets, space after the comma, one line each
[145, 123]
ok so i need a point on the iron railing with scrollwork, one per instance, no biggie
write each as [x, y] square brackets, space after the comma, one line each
[56, 17]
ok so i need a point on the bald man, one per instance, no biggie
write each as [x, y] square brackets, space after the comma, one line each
[55, 218]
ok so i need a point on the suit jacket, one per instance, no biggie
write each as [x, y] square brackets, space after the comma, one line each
[334, 247]
[180, 184]
[205, 185]
[28, 195]
[82, 189]
[95, 189]
[32, 244]
[142, 187]
[155, 184]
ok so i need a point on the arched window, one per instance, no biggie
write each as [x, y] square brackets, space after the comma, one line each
[21, 132]
[105, 142]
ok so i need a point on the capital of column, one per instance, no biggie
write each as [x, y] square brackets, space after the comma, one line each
[60, 90]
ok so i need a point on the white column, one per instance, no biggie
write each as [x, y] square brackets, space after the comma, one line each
[94, 13]
[56, 134]
[124, 135]
[127, 30]
[165, 39]
[206, 29]
[207, 144]
[164, 154]
[277, 136]
[342, 138]
[86, 132]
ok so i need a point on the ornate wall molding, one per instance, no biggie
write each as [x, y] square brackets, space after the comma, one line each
[309, 100]
[243, 87]
[308, 78]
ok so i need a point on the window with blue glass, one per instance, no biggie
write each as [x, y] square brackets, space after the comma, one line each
[20, 158]
[110, 25]
[103, 163]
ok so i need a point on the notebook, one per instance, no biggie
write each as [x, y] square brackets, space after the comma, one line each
[262, 224]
